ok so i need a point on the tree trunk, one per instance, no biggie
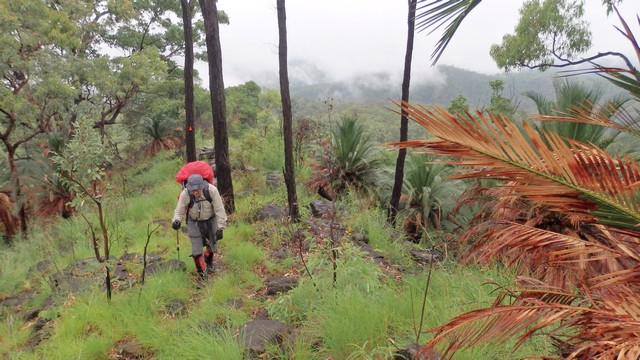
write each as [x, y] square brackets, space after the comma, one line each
[189, 129]
[287, 116]
[103, 229]
[216, 87]
[17, 193]
[394, 202]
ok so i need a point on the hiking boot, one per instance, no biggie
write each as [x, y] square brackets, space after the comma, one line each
[211, 269]
[200, 281]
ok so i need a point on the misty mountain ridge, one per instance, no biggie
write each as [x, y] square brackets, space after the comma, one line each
[439, 86]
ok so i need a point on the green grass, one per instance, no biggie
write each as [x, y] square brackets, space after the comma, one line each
[357, 317]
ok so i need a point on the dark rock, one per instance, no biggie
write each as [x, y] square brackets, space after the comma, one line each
[151, 257]
[167, 265]
[359, 237]
[257, 335]
[207, 154]
[234, 303]
[120, 272]
[410, 352]
[261, 314]
[271, 212]
[65, 281]
[18, 300]
[131, 350]
[39, 267]
[176, 308]
[279, 284]
[320, 208]
[274, 180]
[281, 254]
[425, 256]
[376, 256]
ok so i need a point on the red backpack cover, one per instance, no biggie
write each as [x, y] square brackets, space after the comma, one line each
[195, 167]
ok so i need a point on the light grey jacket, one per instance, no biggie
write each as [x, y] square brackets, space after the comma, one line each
[202, 210]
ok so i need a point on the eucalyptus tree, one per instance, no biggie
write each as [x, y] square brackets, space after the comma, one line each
[52, 65]
[547, 30]
[287, 116]
[216, 87]
[31, 96]
[404, 122]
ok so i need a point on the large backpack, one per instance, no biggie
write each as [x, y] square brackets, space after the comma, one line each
[195, 167]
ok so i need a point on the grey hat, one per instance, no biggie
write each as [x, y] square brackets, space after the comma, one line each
[196, 182]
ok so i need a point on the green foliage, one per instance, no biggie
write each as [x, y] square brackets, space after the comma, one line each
[546, 31]
[428, 196]
[347, 161]
[267, 153]
[458, 105]
[83, 162]
[243, 103]
[500, 104]
[573, 97]
[243, 255]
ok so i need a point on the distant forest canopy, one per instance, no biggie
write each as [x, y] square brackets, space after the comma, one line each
[309, 82]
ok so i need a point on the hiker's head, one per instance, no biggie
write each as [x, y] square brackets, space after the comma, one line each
[195, 183]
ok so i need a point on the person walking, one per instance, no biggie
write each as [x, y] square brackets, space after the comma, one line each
[200, 203]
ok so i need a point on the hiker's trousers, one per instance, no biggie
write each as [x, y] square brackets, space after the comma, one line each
[202, 233]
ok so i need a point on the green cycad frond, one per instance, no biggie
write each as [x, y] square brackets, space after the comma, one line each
[567, 176]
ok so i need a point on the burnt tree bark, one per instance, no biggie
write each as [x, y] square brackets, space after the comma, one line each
[287, 116]
[189, 128]
[218, 103]
[394, 202]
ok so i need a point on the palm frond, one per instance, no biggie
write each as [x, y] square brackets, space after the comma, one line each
[613, 323]
[448, 13]
[570, 177]
[560, 260]
[610, 115]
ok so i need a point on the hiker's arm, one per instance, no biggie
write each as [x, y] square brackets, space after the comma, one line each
[181, 208]
[218, 207]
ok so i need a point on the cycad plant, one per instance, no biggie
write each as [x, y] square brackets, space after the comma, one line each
[572, 99]
[160, 130]
[347, 160]
[427, 195]
[578, 276]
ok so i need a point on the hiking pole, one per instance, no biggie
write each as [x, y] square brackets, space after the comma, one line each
[178, 243]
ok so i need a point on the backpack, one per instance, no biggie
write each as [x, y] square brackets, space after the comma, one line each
[195, 167]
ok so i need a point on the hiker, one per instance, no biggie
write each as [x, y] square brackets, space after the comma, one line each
[206, 219]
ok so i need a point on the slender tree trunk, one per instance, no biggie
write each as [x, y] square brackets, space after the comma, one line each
[17, 194]
[103, 229]
[287, 116]
[218, 106]
[189, 129]
[394, 202]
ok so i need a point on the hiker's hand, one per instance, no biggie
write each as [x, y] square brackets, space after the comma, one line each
[176, 225]
[219, 234]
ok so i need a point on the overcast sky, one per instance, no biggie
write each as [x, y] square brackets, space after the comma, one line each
[346, 38]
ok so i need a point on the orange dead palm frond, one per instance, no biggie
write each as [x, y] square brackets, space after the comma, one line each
[608, 330]
[567, 176]
[560, 260]
[8, 222]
